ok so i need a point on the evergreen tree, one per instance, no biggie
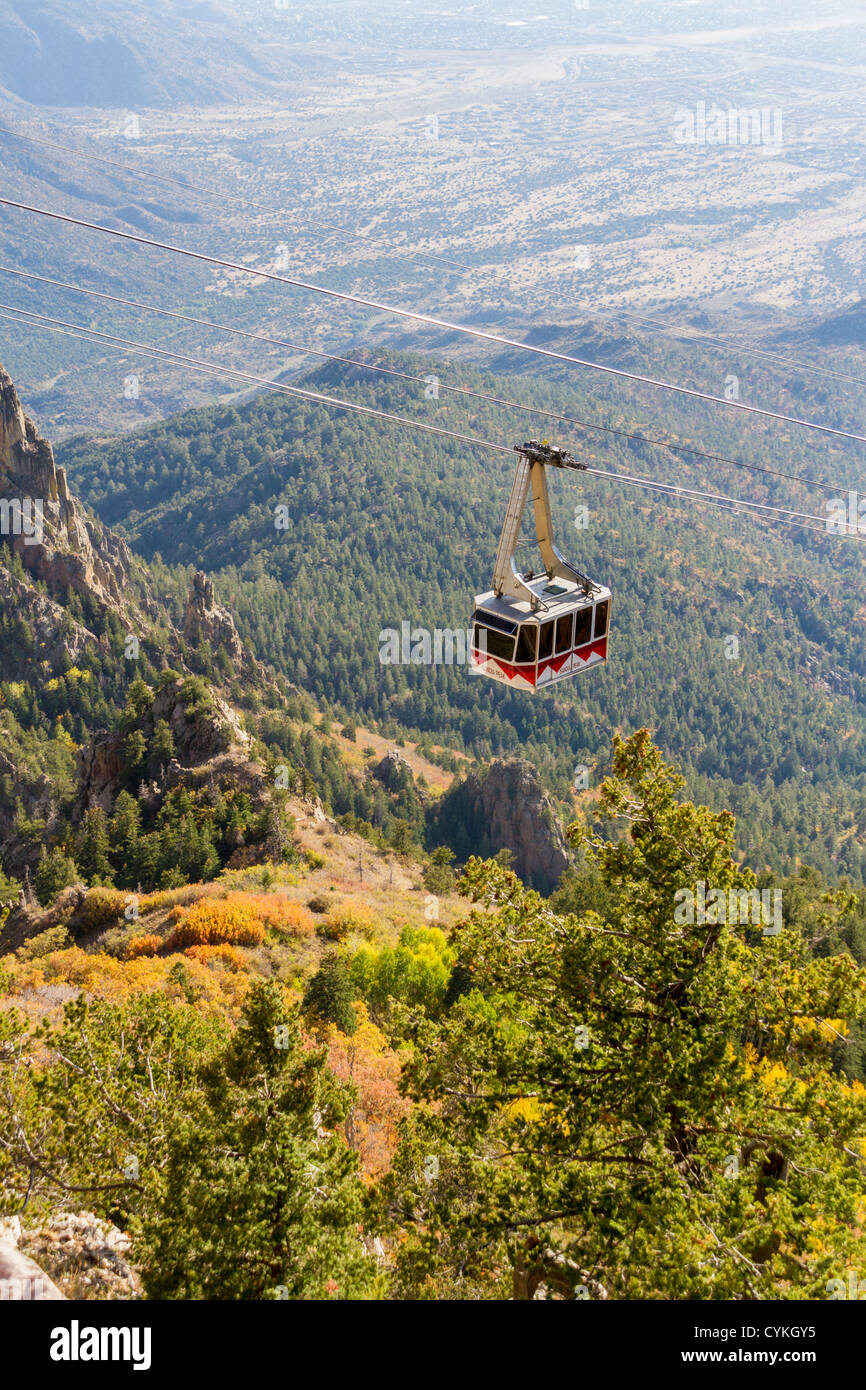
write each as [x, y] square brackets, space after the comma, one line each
[138, 697]
[55, 872]
[92, 848]
[633, 1103]
[125, 824]
[260, 1197]
[438, 874]
[329, 994]
[400, 837]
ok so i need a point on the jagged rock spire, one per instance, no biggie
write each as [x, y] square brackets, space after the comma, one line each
[44, 524]
[207, 622]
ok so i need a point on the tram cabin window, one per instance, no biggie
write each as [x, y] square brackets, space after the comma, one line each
[527, 642]
[545, 641]
[583, 626]
[564, 626]
[492, 643]
[601, 618]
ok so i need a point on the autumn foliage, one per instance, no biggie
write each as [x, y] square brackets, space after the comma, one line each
[217, 955]
[214, 923]
[239, 919]
[367, 1060]
[143, 946]
[100, 907]
[277, 913]
[347, 917]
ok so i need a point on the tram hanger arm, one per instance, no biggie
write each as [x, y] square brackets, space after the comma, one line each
[540, 451]
[507, 582]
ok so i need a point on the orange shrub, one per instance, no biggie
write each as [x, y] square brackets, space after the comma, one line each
[208, 955]
[210, 922]
[373, 1067]
[278, 913]
[143, 946]
[214, 922]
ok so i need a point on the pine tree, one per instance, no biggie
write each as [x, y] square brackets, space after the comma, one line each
[438, 875]
[328, 998]
[55, 872]
[125, 823]
[132, 753]
[92, 848]
[260, 1196]
[138, 697]
[633, 1103]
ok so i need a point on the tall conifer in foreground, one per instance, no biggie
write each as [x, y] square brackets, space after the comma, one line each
[625, 1105]
[261, 1198]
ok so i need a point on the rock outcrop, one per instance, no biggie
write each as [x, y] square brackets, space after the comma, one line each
[207, 623]
[70, 1255]
[56, 635]
[208, 739]
[61, 636]
[22, 1280]
[505, 807]
[393, 768]
[45, 525]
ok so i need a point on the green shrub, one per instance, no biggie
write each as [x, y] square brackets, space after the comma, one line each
[54, 939]
[101, 906]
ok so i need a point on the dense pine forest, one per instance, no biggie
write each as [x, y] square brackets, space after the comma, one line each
[266, 1010]
[736, 640]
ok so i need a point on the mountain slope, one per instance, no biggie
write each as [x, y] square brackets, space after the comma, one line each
[144, 745]
[739, 643]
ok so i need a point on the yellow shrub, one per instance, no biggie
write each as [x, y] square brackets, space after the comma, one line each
[214, 922]
[345, 918]
[172, 897]
[101, 906]
[217, 992]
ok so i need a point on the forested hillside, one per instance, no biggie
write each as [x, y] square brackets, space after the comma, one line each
[258, 1040]
[287, 1100]
[738, 642]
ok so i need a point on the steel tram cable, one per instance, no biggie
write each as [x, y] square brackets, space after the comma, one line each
[94, 335]
[345, 297]
[122, 344]
[671, 445]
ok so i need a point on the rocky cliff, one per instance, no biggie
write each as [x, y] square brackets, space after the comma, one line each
[72, 596]
[58, 543]
[207, 623]
[505, 807]
[209, 742]
[44, 524]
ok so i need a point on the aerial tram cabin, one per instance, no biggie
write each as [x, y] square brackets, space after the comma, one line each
[531, 630]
